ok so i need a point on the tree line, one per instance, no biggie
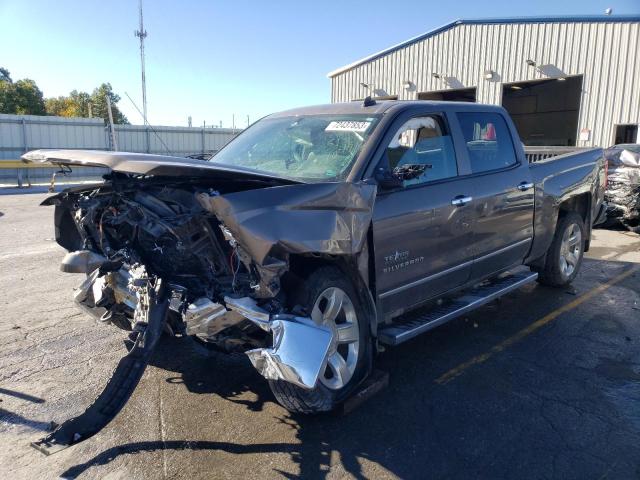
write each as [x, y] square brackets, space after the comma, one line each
[23, 97]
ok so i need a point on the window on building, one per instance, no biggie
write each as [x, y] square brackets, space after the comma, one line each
[423, 141]
[488, 141]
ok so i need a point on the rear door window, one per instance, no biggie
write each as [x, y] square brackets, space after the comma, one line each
[488, 141]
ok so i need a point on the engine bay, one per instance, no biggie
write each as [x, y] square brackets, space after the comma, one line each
[132, 223]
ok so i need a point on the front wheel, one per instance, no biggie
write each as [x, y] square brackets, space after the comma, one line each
[330, 300]
[564, 257]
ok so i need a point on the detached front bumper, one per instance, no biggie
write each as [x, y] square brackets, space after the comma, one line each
[300, 347]
[299, 350]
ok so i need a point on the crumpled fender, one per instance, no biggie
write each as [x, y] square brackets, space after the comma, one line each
[270, 223]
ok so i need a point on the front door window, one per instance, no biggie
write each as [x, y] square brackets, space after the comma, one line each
[425, 142]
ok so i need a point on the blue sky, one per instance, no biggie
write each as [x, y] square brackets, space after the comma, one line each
[213, 59]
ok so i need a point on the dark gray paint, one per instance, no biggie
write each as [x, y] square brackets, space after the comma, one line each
[458, 246]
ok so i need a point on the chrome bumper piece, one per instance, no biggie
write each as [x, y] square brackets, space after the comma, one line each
[204, 317]
[299, 352]
[249, 309]
[83, 297]
[300, 347]
[81, 261]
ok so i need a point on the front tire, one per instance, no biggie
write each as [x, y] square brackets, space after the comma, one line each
[331, 300]
[565, 254]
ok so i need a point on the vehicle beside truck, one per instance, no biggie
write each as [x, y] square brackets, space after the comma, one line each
[623, 186]
[317, 236]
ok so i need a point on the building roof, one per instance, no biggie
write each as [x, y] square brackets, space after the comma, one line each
[490, 21]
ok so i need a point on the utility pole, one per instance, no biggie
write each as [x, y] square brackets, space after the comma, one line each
[142, 34]
[114, 139]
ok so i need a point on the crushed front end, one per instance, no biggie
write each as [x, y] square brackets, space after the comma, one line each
[220, 250]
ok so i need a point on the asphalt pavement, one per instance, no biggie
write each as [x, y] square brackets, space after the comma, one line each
[544, 383]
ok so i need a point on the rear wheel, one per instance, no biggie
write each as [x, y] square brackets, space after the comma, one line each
[564, 257]
[330, 300]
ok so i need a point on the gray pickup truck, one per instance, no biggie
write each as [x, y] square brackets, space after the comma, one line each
[317, 236]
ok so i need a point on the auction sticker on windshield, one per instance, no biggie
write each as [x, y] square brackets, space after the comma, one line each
[347, 126]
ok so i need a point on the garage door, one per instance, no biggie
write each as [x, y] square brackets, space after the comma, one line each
[545, 111]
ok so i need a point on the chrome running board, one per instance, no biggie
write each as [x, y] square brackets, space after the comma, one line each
[423, 320]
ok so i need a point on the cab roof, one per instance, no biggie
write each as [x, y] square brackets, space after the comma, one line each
[381, 107]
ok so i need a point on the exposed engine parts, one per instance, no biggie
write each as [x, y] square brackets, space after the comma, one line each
[165, 230]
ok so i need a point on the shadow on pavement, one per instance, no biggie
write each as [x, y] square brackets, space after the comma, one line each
[556, 404]
[109, 455]
[20, 395]
[17, 419]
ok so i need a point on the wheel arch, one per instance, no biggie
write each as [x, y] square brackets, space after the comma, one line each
[580, 204]
[358, 269]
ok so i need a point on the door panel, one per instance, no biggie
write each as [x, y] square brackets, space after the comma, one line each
[504, 221]
[503, 195]
[423, 243]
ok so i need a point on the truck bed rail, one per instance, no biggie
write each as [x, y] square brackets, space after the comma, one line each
[537, 154]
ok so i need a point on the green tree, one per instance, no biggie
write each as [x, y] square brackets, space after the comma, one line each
[30, 98]
[82, 104]
[77, 104]
[98, 101]
[61, 107]
[7, 97]
[22, 97]
[82, 101]
[5, 75]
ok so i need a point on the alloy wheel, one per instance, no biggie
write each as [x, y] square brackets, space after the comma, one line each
[570, 250]
[334, 309]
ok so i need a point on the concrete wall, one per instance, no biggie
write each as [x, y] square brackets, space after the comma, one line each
[605, 51]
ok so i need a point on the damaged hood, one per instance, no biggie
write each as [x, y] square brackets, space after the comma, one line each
[146, 164]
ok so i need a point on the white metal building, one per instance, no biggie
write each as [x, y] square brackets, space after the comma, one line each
[564, 80]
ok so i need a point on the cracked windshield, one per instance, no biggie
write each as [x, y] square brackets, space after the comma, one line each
[317, 148]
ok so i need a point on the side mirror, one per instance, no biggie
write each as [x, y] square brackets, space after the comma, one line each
[395, 179]
[387, 180]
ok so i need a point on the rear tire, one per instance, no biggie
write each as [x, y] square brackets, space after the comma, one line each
[342, 375]
[565, 254]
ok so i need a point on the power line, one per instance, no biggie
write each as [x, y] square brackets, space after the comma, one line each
[148, 125]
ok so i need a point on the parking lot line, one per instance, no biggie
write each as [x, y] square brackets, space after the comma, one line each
[460, 369]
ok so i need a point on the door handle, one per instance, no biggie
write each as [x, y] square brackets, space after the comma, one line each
[461, 200]
[524, 186]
